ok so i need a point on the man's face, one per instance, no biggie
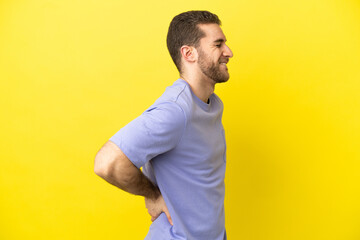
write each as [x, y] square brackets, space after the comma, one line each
[213, 53]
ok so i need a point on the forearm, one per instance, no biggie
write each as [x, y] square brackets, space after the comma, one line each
[113, 165]
[116, 168]
[133, 181]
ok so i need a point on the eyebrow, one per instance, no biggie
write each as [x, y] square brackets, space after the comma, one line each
[220, 40]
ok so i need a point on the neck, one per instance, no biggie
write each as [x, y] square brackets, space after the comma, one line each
[202, 88]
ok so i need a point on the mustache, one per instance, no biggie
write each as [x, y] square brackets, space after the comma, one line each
[224, 60]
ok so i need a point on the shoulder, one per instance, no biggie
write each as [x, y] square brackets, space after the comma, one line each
[166, 111]
[164, 118]
[174, 92]
[176, 97]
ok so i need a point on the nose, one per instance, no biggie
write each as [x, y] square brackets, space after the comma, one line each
[227, 52]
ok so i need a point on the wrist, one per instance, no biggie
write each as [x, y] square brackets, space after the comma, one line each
[155, 193]
[149, 191]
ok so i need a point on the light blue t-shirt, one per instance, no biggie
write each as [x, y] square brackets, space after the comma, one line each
[179, 141]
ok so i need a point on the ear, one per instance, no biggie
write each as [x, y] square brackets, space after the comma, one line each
[189, 53]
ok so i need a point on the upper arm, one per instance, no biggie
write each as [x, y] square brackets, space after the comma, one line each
[110, 157]
[156, 131]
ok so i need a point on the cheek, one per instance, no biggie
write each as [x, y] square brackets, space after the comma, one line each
[219, 55]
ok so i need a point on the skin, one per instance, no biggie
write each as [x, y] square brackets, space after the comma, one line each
[211, 52]
[115, 167]
[202, 68]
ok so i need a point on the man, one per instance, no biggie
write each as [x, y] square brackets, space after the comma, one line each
[179, 141]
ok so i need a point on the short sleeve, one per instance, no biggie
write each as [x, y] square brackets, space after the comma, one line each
[156, 131]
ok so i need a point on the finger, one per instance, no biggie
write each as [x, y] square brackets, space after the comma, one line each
[154, 217]
[168, 217]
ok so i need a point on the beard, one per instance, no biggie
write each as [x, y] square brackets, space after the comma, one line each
[211, 69]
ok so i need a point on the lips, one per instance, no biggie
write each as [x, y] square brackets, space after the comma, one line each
[224, 61]
[224, 64]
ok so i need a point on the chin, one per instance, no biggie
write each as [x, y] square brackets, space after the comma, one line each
[222, 79]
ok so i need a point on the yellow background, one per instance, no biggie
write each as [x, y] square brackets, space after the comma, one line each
[74, 72]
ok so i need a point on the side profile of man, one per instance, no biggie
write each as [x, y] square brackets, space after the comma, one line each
[179, 141]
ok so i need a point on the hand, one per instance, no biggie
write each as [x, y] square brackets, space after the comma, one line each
[156, 207]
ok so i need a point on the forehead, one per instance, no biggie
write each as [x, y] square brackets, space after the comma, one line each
[212, 32]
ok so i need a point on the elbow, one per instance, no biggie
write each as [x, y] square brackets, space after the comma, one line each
[113, 166]
[101, 166]
[101, 172]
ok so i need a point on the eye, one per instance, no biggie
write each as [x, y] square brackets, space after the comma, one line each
[218, 45]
